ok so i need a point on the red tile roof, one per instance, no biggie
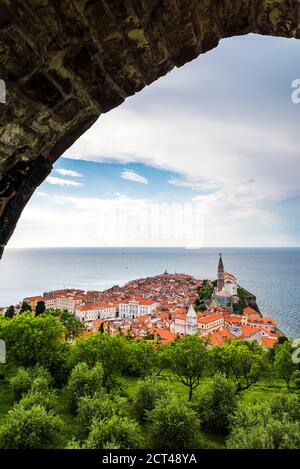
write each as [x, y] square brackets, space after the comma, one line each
[209, 319]
[250, 311]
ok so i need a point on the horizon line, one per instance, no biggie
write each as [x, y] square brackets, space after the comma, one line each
[151, 247]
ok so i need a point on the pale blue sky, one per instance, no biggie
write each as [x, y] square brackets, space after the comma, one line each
[216, 141]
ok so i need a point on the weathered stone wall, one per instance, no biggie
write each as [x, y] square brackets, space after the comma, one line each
[65, 62]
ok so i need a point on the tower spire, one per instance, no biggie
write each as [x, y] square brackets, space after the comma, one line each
[220, 266]
[220, 285]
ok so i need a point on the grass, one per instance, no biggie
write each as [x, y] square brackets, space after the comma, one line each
[242, 293]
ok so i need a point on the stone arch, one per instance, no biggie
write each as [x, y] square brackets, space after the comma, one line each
[66, 62]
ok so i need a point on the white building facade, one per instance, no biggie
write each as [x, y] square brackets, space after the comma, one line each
[96, 311]
[131, 309]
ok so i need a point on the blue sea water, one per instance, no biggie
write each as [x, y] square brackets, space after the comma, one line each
[273, 274]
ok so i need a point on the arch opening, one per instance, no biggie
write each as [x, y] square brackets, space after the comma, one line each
[64, 65]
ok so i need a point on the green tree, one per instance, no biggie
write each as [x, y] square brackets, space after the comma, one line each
[25, 307]
[141, 358]
[149, 392]
[38, 379]
[273, 435]
[34, 341]
[220, 360]
[110, 351]
[20, 383]
[188, 360]
[172, 425]
[40, 308]
[268, 425]
[32, 428]
[73, 325]
[216, 403]
[84, 381]
[100, 406]
[116, 432]
[283, 364]
[48, 399]
[10, 312]
[244, 361]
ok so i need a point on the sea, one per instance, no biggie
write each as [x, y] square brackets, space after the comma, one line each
[271, 274]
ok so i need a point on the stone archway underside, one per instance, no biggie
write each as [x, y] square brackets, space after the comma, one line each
[65, 62]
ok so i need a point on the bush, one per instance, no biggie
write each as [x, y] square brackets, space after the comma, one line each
[286, 406]
[20, 383]
[109, 350]
[116, 432]
[173, 424]
[141, 358]
[38, 379]
[149, 392]
[272, 425]
[47, 399]
[273, 435]
[99, 407]
[84, 381]
[297, 379]
[73, 444]
[216, 403]
[29, 428]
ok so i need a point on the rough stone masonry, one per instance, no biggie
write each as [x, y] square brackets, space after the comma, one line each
[65, 62]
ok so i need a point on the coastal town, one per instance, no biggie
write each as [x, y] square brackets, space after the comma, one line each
[168, 306]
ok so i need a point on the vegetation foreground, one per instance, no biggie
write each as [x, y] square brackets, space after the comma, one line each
[58, 390]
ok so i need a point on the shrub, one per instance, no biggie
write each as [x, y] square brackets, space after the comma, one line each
[73, 444]
[99, 407]
[119, 432]
[29, 428]
[84, 381]
[272, 425]
[20, 383]
[38, 379]
[272, 435]
[47, 399]
[141, 358]
[109, 350]
[149, 392]
[216, 403]
[297, 379]
[286, 406]
[173, 424]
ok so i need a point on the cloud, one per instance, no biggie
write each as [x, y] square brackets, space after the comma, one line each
[68, 172]
[116, 221]
[133, 176]
[63, 182]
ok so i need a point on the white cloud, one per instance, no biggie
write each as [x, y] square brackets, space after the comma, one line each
[63, 182]
[199, 148]
[69, 172]
[133, 176]
[115, 221]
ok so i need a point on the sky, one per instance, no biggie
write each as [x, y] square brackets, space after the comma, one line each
[205, 156]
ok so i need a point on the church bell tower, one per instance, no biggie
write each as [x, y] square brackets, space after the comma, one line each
[220, 284]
